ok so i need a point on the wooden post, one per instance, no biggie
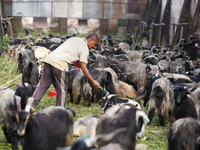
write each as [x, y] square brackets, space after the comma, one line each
[159, 35]
[181, 33]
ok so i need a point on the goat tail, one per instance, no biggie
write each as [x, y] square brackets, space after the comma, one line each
[18, 84]
[30, 67]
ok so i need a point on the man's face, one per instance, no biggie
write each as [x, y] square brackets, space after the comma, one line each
[92, 43]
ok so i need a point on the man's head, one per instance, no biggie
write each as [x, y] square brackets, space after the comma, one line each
[93, 40]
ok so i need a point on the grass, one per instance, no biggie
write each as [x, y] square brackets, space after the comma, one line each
[8, 72]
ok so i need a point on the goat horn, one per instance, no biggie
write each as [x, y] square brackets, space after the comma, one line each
[29, 103]
[18, 84]
[18, 102]
[103, 137]
[92, 60]
[118, 69]
[112, 95]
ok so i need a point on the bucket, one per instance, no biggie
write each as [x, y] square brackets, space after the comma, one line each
[53, 93]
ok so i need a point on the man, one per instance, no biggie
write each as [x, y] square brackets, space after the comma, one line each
[57, 66]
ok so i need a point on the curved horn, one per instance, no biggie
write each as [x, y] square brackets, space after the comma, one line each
[29, 103]
[18, 84]
[112, 95]
[18, 103]
[118, 69]
[92, 60]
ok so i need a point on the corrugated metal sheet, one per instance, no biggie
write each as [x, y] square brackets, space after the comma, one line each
[114, 9]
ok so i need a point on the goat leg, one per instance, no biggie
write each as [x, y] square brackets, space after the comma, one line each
[15, 140]
[7, 135]
[78, 99]
[71, 98]
[151, 114]
[161, 119]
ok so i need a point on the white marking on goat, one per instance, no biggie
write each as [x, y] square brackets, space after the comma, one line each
[146, 121]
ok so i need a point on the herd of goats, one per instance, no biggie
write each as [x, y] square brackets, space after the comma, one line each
[167, 80]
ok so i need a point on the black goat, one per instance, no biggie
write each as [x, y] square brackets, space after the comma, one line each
[105, 80]
[184, 134]
[184, 105]
[145, 92]
[30, 74]
[53, 126]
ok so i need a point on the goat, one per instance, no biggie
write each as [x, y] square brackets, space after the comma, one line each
[133, 119]
[81, 124]
[104, 78]
[145, 92]
[183, 134]
[8, 99]
[125, 90]
[30, 74]
[112, 99]
[24, 55]
[195, 94]
[81, 87]
[184, 104]
[91, 121]
[53, 126]
[161, 98]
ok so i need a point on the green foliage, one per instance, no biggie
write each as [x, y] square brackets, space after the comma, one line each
[114, 31]
[4, 43]
[122, 22]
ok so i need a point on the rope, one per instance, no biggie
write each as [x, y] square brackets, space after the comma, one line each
[6, 18]
[11, 80]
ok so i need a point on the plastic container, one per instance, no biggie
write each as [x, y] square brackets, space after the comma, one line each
[53, 93]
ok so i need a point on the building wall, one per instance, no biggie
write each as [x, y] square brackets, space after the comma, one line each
[72, 24]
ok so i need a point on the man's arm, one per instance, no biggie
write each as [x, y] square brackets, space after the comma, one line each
[88, 75]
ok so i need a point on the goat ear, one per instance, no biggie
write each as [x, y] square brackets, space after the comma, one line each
[33, 114]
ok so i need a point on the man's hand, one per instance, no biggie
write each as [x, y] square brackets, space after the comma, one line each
[87, 74]
[96, 84]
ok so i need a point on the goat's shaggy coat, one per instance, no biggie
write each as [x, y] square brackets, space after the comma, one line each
[30, 74]
[161, 98]
[183, 134]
